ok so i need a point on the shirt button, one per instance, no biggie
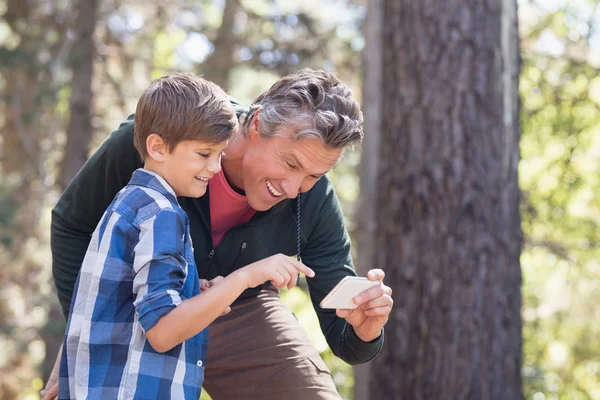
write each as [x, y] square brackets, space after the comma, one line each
[199, 363]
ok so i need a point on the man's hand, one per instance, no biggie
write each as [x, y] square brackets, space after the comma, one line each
[374, 307]
[51, 394]
[205, 285]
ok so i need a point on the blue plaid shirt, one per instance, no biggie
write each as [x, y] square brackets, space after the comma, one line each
[138, 267]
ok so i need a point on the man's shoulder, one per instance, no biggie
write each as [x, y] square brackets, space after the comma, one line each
[319, 201]
[321, 193]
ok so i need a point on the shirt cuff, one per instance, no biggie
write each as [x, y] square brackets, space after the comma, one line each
[153, 307]
[369, 349]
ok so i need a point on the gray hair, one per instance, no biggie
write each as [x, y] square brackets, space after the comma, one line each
[315, 104]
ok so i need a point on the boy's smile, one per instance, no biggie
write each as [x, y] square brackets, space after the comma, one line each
[189, 166]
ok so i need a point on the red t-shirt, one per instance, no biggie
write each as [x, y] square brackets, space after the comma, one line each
[227, 207]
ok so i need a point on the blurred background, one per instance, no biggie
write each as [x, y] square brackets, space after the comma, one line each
[71, 71]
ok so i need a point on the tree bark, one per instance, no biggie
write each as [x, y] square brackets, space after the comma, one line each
[79, 130]
[217, 67]
[365, 216]
[445, 209]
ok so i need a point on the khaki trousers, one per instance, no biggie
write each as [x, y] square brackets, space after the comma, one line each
[259, 351]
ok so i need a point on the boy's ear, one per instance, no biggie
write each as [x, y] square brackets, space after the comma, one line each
[156, 147]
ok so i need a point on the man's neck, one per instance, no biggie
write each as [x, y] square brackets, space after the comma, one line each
[232, 164]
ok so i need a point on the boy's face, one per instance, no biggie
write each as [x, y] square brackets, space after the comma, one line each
[189, 166]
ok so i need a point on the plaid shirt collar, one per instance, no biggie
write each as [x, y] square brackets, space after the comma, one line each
[146, 178]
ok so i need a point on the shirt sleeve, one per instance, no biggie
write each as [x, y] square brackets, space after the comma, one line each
[159, 265]
[83, 203]
[327, 252]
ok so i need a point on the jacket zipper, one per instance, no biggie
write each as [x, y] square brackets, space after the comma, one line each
[242, 248]
[211, 256]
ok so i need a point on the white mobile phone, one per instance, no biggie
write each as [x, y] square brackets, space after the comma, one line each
[342, 294]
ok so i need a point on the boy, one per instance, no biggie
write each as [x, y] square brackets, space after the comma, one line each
[137, 323]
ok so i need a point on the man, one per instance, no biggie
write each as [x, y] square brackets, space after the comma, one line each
[271, 197]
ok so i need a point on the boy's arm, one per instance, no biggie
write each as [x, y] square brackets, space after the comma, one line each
[195, 314]
[159, 267]
[160, 274]
[82, 204]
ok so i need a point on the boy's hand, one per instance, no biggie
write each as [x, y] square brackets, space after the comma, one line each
[280, 269]
[206, 284]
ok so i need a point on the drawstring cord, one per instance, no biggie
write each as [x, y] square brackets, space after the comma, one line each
[298, 227]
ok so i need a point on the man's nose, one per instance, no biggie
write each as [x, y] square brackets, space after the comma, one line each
[291, 186]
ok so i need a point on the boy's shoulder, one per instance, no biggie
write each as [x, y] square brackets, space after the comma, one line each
[138, 202]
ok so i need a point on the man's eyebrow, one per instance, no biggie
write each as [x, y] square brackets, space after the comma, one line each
[296, 161]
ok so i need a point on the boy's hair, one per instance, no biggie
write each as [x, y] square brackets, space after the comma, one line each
[180, 107]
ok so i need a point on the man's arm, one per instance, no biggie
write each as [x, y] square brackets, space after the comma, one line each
[327, 252]
[83, 203]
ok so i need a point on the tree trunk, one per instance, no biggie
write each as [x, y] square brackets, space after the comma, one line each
[217, 67]
[365, 216]
[445, 211]
[79, 130]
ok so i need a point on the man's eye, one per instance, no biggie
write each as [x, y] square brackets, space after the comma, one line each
[292, 166]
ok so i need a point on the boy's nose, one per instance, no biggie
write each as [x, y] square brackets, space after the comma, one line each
[214, 166]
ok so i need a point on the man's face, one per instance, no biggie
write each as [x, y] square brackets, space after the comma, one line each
[279, 168]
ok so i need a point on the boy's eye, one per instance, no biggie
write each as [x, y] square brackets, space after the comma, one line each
[205, 155]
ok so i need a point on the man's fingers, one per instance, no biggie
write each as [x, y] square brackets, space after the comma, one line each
[376, 275]
[385, 310]
[382, 301]
[370, 294]
[204, 284]
[52, 393]
[343, 312]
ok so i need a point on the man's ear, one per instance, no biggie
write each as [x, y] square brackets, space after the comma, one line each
[254, 128]
[156, 147]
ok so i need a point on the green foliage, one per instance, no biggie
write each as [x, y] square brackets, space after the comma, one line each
[560, 178]
[134, 42]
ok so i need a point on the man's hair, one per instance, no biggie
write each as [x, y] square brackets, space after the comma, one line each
[315, 104]
[180, 107]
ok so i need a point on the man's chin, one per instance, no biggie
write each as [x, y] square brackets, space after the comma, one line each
[261, 205]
